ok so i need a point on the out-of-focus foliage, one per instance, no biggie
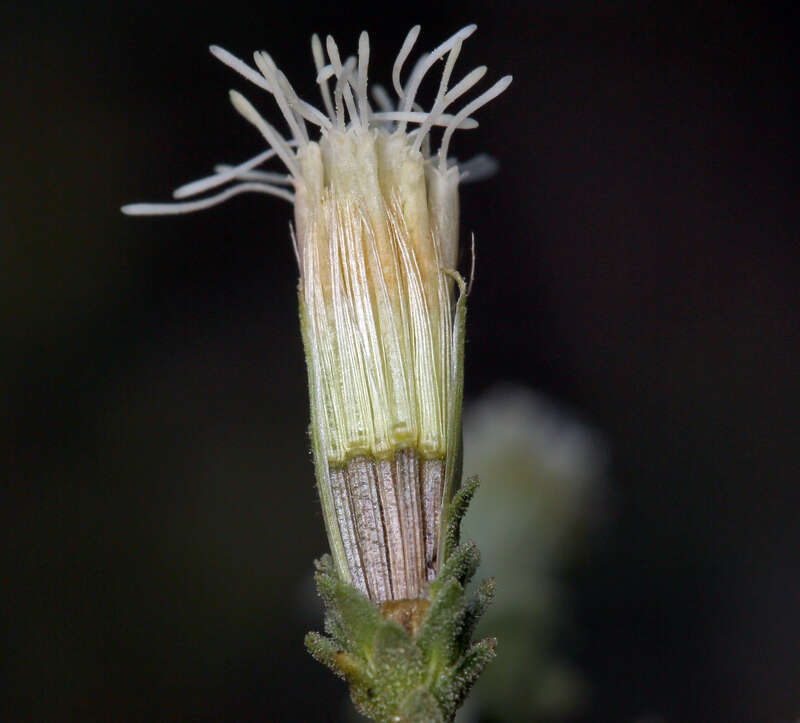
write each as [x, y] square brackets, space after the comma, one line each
[542, 475]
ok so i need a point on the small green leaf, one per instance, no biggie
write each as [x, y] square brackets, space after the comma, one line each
[323, 650]
[460, 566]
[455, 511]
[468, 669]
[439, 632]
[476, 607]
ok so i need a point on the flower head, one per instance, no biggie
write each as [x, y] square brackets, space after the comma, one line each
[376, 219]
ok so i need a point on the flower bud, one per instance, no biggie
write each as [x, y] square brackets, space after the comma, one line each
[381, 305]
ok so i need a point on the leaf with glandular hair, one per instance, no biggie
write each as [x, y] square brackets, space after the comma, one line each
[324, 650]
[360, 618]
[391, 642]
[460, 565]
[438, 634]
[350, 618]
[456, 510]
[466, 672]
[476, 607]
[420, 707]
[325, 578]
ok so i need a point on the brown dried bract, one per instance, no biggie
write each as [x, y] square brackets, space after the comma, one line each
[409, 613]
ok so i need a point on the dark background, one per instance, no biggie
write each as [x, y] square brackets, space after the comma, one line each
[637, 260]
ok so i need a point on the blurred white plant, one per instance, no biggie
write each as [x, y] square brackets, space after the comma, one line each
[544, 481]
